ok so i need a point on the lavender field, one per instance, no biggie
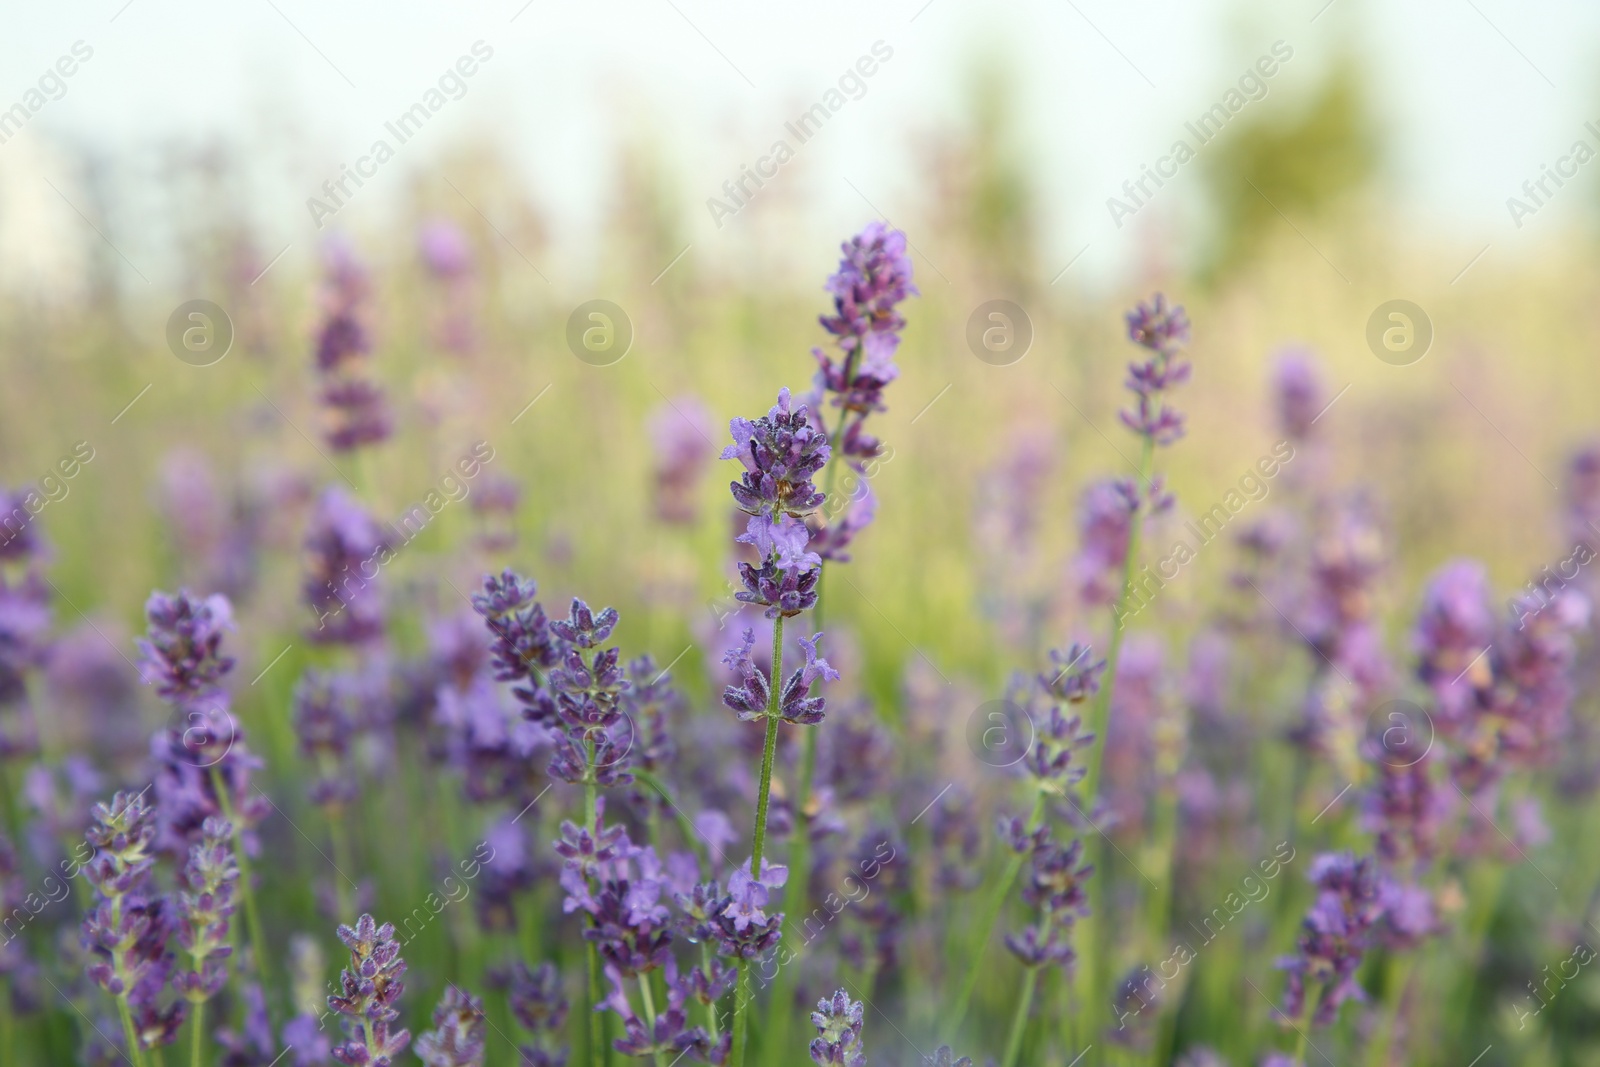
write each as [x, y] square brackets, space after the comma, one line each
[747, 639]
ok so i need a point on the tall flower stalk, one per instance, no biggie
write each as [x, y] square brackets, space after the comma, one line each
[204, 908]
[873, 279]
[1161, 329]
[780, 452]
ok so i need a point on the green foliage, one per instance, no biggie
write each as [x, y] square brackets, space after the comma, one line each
[1302, 161]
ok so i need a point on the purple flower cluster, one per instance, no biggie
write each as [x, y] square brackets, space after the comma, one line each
[1107, 511]
[578, 690]
[838, 1021]
[125, 933]
[205, 906]
[680, 432]
[1297, 392]
[182, 655]
[355, 406]
[1353, 909]
[1162, 329]
[344, 550]
[540, 1007]
[368, 990]
[873, 279]
[780, 452]
[447, 255]
[1054, 887]
[459, 1033]
[751, 698]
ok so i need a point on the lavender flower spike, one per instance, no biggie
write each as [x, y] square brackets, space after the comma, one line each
[838, 1042]
[458, 1037]
[182, 657]
[204, 908]
[1163, 330]
[369, 988]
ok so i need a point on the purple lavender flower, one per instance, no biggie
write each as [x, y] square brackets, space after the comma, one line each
[795, 705]
[496, 503]
[326, 728]
[1297, 391]
[444, 248]
[874, 278]
[1336, 933]
[19, 535]
[832, 542]
[355, 406]
[680, 432]
[457, 1039]
[944, 1057]
[838, 1021]
[1455, 627]
[1106, 514]
[182, 655]
[253, 1044]
[369, 988]
[780, 452]
[1582, 493]
[1054, 887]
[1163, 330]
[204, 908]
[670, 1034]
[344, 548]
[126, 931]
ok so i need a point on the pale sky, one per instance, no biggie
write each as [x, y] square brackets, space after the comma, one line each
[1475, 94]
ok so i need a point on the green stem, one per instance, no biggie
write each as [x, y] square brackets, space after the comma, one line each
[771, 747]
[1019, 1021]
[741, 1019]
[991, 916]
[597, 1027]
[742, 999]
[1100, 714]
[135, 1054]
[247, 893]
[1095, 974]
[649, 1010]
[196, 1030]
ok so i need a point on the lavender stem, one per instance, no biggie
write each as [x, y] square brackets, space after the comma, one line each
[252, 917]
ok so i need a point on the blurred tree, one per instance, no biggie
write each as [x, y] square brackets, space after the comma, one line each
[1302, 161]
[981, 193]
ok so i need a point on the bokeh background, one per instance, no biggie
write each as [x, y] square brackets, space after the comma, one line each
[177, 163]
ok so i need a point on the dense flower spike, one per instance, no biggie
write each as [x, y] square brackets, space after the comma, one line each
[205, 906]
[680, 432]
[356, 412]
[460, 1029]
[1297, 392]
[838, 1042]
[750, 699]
[1163, 330]
[1336, 934]
[344, 548]
[369, 988]
[447, 254]
[125, 933]
[780, 452]
[873, 279]
[182, 655]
